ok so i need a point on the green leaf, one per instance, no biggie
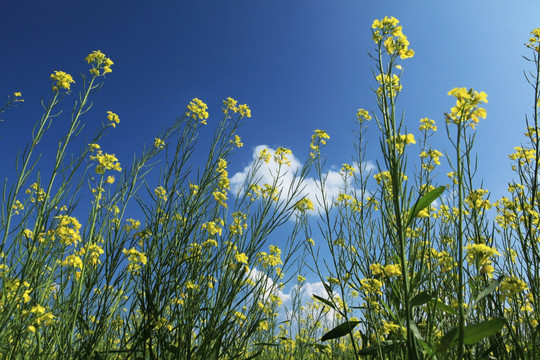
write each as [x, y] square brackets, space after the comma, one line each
[421, 298]
[383, 347]
[424, 202]
[475, 333]
[255, 355]
[325, 301]
[491, 288]
[340, 330]
[446, 308]
[472, 333]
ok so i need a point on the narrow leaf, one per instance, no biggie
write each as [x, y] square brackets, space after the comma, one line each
[340, 330]
[325, 301]
[421, 298]
[446, 308]
[491, 288]
[383, 347]
[424, 202]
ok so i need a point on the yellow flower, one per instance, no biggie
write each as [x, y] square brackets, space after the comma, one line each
[347, 170]
[389, 86]
[113, 118]
[214, 227]
[99, 62]
[371, 286]
[304, 205]
[17, 94]
[244, 110]
[158, 143]
[198, 110]
[63, 80]
[105, 162]
[363, 115]
[280, 156]
[427, 124]
[237, 141]
[241, 258]
[376, 269]
[229, 104]
[68, 230]
[467, 110]
[264, 155]
[392, 270]
[161, 193]
[318, 139]
[136, 259]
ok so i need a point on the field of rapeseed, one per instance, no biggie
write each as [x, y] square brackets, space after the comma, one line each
[418, 267]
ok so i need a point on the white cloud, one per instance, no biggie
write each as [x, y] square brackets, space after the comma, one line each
[333, 184]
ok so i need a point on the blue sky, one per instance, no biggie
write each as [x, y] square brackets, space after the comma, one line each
[301, 65]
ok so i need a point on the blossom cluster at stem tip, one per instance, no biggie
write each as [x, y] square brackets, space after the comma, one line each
[101, 64]
[198, 110]
[388, 32]
[467, 111]
[61, 80]
[231, 104]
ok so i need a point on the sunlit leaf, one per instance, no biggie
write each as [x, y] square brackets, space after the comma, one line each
[340, 330]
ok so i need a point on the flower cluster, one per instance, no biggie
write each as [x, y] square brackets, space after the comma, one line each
[280, 156]
[231, 104]
[394, 41]
[523, 155]
[362, 115]
[481, 254]
[161, 193]
[62, 80]
[136, 259]
[238, 225]
[101, 64]
[467, 110]
[272, 259]
[389, 86]
[475, 200]
[198, 110]
[433, 157]
[113, 118]
[159, 144]
[388, 270]
[303, 205]
[534, 40]
[105, 161]
[67, 230]
[317, 139]
[402, 140]
[427, 124]
[220, 194]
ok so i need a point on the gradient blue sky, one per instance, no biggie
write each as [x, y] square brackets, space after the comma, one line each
[300, 65]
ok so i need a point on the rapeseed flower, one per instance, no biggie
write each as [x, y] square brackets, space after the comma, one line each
[303, 205]
[99, 62]
[362, 115]
[280, 156]
[427, 124]
[467, 110]
[136, 259]
[63, 80]
[113, 118]
[198, 110]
